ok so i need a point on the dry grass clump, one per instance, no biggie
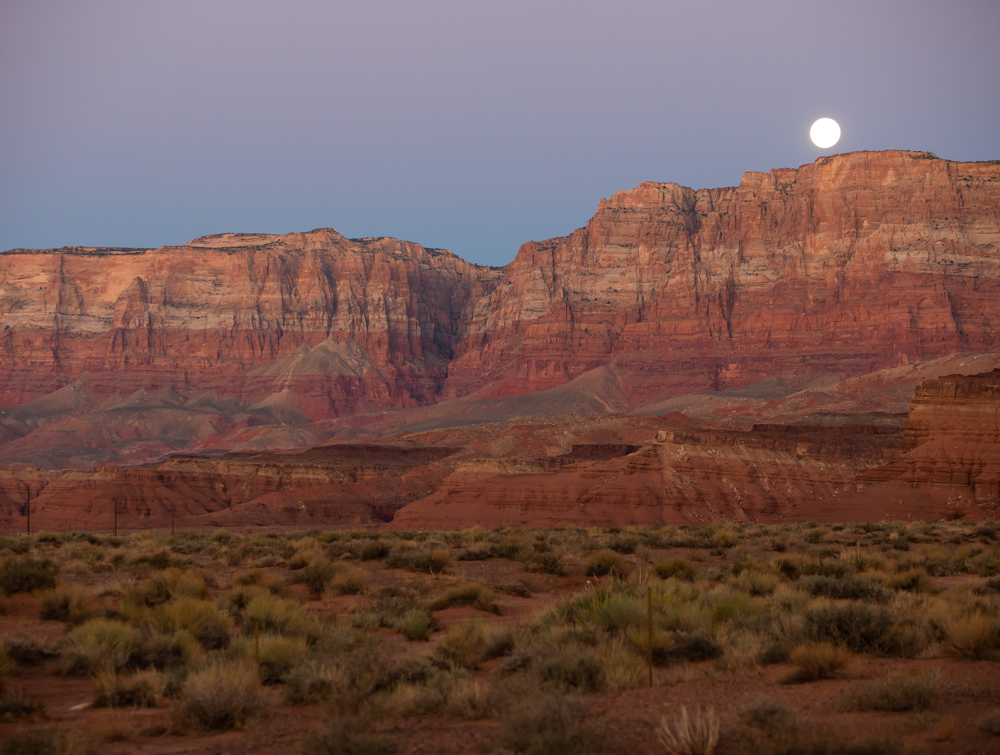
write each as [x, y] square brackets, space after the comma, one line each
[200, 618]
[29, 650]
[894, 694]
[26, 574]
[70, 604]
[349, 580]
[473, 594]
[219, 697]
[316, 576]
[143, 689]
[97, 645]
[817, 660]
[990, 724]
[677, 568]
[274, 615]
[345, 734]
[424, 559]
[8, 669]
[47, 740]
[603, 562]
[686, 735]
[546, 722]
[974, 636]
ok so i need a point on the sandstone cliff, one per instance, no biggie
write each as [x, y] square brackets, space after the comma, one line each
[342, 324]
[853, 263]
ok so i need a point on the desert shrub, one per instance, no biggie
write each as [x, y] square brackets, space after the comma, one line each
[912, 580]
[817, 660]
[841, 588]
[349, 581]
[603, 562]
[162, 559]
[15, 704]
[987, 529]
[98, 644]
[416, 624]
[692, 646]
[551, 723]
[68, 604]
[374, 549]
[858, 626]
[677, 568]
[316, 576]
[8, 668]
[278, 655]
[464, 645]
[549, 562]
[164, 650]
[697, 735]
[143, 689]
[273, 615]
[199, 617]
[624, 543]
[474, 594]
[658, 644]
[574, 668]
[974, 636]
[430, 560]
[49, 740]
[893, 694]
[28, 650]
[313, 681]
[756, 583]
[302, 558]
[153, 592]
[349, 734]
[990, 724]
[219, 697]
[24, 574]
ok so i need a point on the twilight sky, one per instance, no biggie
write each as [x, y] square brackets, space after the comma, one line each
[474, 126]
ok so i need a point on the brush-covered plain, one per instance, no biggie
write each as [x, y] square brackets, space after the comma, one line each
[707, 638]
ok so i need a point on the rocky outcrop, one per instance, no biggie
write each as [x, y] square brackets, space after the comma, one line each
[853, 263]
[318, 323]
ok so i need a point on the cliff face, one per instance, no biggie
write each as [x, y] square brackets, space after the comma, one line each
[344, 324]
[854, 263]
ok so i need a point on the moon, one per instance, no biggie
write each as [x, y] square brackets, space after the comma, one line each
[825, 133]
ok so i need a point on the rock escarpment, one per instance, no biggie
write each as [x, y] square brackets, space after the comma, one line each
[851, 264]
[341, 325]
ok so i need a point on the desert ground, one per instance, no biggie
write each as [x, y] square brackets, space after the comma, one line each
[732, 638]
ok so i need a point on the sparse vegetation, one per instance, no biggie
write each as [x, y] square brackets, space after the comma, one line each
[223, 622]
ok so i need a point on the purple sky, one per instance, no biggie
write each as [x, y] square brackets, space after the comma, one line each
[474, 126]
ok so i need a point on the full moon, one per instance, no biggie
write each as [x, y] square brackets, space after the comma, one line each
[825, 133]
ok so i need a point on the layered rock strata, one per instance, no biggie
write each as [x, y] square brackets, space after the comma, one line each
[853, 263]
[341, 324]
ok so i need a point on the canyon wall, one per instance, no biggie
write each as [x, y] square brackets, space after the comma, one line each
[342, 324]
[854, 263]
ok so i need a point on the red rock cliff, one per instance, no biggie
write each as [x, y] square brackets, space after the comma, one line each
[344, 323]
[853, 263]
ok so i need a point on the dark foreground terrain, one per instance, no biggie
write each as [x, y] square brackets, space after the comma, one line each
[875, 637]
